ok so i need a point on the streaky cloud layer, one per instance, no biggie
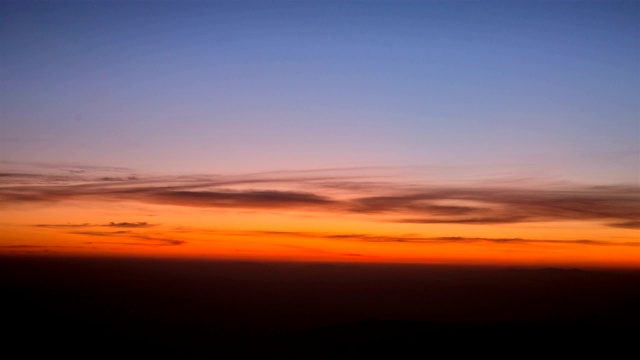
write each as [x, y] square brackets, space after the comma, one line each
[481, 203]
[351, 214]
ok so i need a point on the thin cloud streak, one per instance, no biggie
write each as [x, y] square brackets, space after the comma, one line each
[213, 234]
[149, 240]
[241, 199]
[406, 238]
[140, 224]
[99, 230]
[482, 204]
[418, 239]
[634, 224]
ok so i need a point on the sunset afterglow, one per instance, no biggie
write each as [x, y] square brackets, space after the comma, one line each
[319, 216]
[497, 133]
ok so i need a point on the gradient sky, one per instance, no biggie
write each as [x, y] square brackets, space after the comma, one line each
[400, 131]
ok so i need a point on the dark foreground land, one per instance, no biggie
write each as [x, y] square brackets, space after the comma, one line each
[119, 307]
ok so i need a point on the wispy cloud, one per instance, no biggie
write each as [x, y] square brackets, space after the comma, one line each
[36, 249]
[416, 239]
[163, 237]
[102, 230]
[147, 239]
[24, 246]
[633, 224]
[139, 224]
[241, 199]
[101, 233]
[618, 205]
[481, 204]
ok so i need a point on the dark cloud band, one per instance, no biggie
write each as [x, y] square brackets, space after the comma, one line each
[615, 206]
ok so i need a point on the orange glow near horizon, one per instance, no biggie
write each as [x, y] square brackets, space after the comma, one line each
[273, 238]
[334, 131]
[136, 219]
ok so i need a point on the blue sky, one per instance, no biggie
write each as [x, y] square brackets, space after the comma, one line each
[520, 88]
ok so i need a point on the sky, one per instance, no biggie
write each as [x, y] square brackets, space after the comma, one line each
[458, 132]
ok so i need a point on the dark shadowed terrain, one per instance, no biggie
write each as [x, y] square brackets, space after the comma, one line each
[119, 307]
